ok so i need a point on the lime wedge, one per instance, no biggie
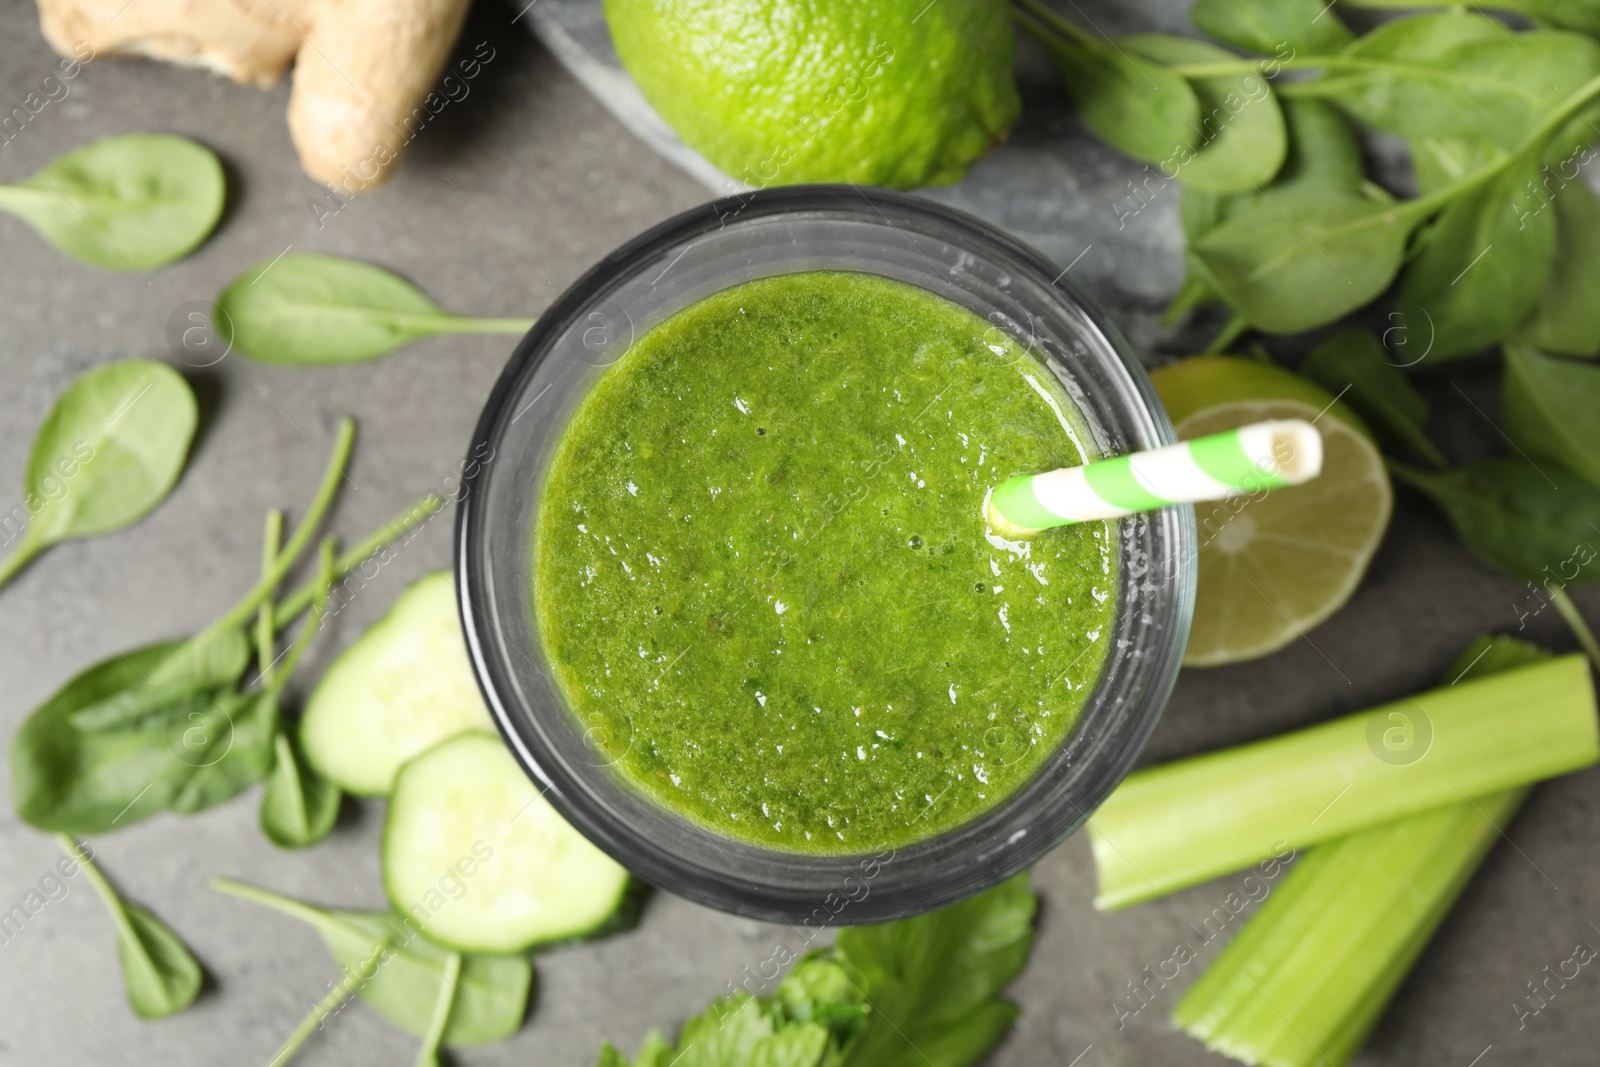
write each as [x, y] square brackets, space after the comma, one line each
[1274, 566]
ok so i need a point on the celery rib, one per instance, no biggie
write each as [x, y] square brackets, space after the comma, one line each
[1185, 822]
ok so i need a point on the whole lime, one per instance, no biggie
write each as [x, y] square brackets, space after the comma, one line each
[899, 93]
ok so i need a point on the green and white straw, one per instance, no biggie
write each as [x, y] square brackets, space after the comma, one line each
[1246, 461]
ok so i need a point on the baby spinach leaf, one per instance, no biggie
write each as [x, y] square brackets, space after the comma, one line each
[1137, 106]
[1305, 257]
[110, 450]
[1355, 366]
[138, 200]
[1482, 269]
[1322, 154]
[1439, 161]
[493, 990]
[212, 662]
[1523, 520]
[1552, 409]
[304, 308]
[1456, 75]
[1567, 316]
[933, 981]
[1267, 26]
[159, 974]
[1242, 140]
[227, 743]
[299, 806]
[444, 1003]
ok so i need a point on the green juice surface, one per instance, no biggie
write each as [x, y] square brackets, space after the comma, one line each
[765, 584]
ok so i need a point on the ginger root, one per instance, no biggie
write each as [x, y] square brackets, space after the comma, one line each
[361, 67]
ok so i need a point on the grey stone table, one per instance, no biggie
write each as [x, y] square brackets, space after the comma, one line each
[507, 196]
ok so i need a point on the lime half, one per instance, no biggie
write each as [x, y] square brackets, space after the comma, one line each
[1275, 565]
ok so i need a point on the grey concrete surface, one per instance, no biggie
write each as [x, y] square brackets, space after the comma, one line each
[505, 199]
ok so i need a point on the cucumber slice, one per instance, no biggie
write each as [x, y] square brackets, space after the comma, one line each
[480, 860]
[404, 686]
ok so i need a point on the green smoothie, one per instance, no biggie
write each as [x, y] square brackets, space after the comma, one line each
[765, 584]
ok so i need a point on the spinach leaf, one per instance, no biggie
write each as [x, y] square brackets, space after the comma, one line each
[304, 308]
[1490, 655]
[1552, 409]
[933, 981]
[139, 200]
[405, 988]
[159, 974]
[1305, 257]
[444, 1003]
[1267, 26]
[1133, 104]
[1482, 269]
[1456, 75]
[1322, 154]
[1533, 523]
[1242, 141]
[299, 806]
[108, 452]
[227, 746]
[1581, 15]
[1567, 317]
[210, 663]
[1439, 161]
[1355, 366]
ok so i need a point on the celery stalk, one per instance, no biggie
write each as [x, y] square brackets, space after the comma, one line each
[1181, 823]
[1306, 980]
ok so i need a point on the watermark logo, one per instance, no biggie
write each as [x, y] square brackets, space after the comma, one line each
[1399, 736]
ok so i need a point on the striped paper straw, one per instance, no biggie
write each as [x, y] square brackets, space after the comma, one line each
[1263, 455]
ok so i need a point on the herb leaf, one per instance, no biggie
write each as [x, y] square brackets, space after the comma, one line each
[1567, 317]
[1480, 273]
[299, 806]
[139, 200]
[1133, 104]
[1438, 161]
[159, 973]
[1242, 141]
[1266, 26]
[1521, 520]
[932, 981]
[405, 988]
[1305, 257]
[108, 452]
[304, 308]
[1354, 365]
[1552, 409]
[1457, 75]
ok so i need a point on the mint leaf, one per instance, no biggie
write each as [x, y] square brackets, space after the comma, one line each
[931, 983]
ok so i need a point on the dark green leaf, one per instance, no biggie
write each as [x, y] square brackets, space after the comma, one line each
[198, 667]
[184, 756]
[139, 200]
[110, 450]
[1533, 523]
[932, 981]
[227, 744]
[299, 806]
[1552, 409]
[1567, 316]
[1306, 257]
[1354, 366]
[492, 991]
[1136, 106]
[1440, 161]
[1481, 271]
[1323, 154]
[1457, 75]
[1271, 26]
[304, 308]
[1581, 15]
[159, 973]
[1491, 655]
[1242, 142]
